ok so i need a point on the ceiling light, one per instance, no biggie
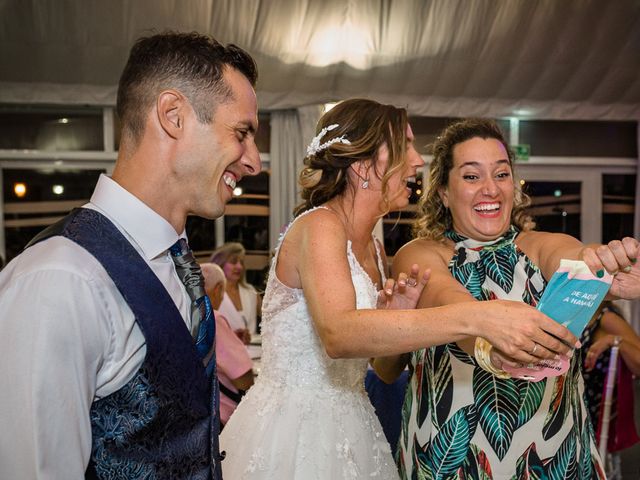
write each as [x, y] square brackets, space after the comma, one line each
[57, 189]
[237, 191]
[20, 189]
[340, 43]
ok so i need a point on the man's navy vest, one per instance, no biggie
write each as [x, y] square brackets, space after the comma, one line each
[164, 423]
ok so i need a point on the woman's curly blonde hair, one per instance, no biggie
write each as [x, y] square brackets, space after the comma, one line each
[433, 218]
[367, 125]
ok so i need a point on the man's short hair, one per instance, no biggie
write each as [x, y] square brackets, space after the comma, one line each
[188, 62]
[213, 275]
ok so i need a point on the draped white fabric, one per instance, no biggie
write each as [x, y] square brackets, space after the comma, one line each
[308, 116]
[286, 150]
[575, 59]
[291, 131]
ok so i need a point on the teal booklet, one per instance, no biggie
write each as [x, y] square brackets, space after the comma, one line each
[571, 298]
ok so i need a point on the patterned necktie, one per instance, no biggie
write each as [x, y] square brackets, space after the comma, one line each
[203, 325]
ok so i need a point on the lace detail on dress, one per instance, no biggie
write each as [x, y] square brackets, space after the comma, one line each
[382, 268]
[277, 295]
[367, 282]
[308, 415]
[355, 265]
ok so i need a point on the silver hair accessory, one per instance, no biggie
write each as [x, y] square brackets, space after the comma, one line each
[315, 146]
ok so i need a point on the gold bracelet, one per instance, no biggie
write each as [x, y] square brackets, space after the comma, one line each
[482, 352]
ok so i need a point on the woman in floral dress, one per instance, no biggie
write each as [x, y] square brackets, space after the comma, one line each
[461, 417]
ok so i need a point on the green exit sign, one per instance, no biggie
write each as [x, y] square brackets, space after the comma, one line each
[522, 152]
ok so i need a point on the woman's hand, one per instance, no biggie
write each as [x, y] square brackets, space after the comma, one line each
[522, 333]
[404, 293]
[618, 257]
[244, 335]
[626, 284]
[500, 360]
[598, 347]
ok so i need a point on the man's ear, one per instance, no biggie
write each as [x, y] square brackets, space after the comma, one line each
[444, 196]
[171, 108]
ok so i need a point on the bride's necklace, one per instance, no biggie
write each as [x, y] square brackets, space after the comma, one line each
[365, 254]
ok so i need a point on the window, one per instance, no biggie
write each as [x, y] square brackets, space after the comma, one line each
[398, 226]
[46, 196]
[51, 128]
[618, 206]
[555, 206]
[579, 138]
[246, 221]
[426, 129]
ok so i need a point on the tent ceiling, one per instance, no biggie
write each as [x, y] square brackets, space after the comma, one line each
[539, 58]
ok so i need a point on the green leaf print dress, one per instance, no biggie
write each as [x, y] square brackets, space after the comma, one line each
[461, 422]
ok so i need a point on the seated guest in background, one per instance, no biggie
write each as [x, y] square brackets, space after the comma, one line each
[607, 329]
[241, 303]
[232, 359]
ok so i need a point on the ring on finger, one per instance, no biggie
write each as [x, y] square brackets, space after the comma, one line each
[412, 282]
[627, 269]
[535, 347]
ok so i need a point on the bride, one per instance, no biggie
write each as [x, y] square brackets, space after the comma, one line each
[308, 415]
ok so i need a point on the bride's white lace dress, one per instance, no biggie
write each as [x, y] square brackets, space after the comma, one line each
[307, 416]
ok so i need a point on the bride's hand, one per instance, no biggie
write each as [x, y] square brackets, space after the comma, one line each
[521, 332]
[405, 292]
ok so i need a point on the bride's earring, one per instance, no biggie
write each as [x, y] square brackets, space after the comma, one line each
[365, 180]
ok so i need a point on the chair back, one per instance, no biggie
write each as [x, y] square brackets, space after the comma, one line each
[605, 417]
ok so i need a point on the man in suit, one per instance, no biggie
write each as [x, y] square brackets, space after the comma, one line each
[99, 373]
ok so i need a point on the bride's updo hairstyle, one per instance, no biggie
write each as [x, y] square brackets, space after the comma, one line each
[354, 130]
[433, 218]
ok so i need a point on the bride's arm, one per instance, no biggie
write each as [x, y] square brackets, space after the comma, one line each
[318, 246]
